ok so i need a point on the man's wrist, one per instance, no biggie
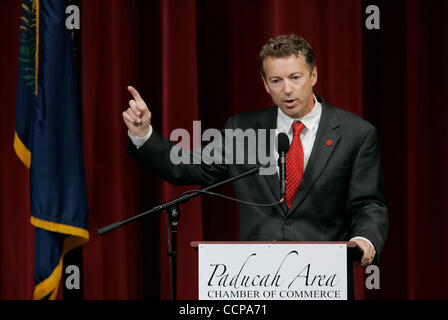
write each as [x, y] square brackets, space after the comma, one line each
[365, 239]
[139, 141]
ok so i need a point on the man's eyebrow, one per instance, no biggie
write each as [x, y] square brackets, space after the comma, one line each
[290, 75]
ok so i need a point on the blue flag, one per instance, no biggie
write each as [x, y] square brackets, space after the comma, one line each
[48, 139]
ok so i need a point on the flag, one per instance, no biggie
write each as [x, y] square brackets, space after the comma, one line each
[48, 139]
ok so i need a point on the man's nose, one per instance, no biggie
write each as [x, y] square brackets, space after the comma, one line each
[287, 89]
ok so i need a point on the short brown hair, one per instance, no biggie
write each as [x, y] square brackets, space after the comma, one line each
[284, 46]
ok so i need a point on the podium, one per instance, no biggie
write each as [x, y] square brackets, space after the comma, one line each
[277, 270]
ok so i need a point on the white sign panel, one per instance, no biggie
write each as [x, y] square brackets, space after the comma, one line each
[272, 271]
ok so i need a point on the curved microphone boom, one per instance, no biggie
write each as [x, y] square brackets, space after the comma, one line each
[282, 147]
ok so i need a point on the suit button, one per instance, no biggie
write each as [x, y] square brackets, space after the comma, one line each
[288, 222]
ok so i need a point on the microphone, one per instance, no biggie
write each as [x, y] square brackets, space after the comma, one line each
[283, 147]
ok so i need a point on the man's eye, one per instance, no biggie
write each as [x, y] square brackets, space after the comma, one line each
[275, 81]
[296, 77]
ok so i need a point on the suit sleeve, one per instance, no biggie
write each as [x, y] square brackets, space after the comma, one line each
[366, 200]
[156, 155]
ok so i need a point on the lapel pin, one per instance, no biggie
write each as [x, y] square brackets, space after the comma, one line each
[329, 142]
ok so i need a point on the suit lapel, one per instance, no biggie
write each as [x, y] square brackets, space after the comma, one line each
[320, 153]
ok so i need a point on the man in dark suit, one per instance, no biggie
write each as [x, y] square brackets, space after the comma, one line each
[333, 168]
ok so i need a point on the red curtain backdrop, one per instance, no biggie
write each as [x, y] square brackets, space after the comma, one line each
[196, 60]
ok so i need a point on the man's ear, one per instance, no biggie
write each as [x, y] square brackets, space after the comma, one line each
[265, 83]
[314, 76]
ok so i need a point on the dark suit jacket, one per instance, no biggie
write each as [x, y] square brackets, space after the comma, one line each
[340, 196]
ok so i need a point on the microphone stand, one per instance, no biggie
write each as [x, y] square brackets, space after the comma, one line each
[172, 208]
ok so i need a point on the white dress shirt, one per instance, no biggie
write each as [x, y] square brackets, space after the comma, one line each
[308, 136]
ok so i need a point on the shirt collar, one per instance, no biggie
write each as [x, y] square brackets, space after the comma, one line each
[310, 121]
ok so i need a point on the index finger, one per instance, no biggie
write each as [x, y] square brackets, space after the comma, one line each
[134, 93]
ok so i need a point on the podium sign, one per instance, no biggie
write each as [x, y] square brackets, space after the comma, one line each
[272, 271]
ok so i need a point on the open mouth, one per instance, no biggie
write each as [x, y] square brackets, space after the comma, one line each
[289, 102]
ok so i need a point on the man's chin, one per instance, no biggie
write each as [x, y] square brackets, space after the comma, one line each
[293, 112]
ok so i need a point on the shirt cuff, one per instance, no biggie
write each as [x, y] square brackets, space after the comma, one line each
[365, 240]
[139, 141]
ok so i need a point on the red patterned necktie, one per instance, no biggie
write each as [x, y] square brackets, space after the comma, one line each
[294, 163]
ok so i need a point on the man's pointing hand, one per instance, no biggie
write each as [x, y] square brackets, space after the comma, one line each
[137, 117]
